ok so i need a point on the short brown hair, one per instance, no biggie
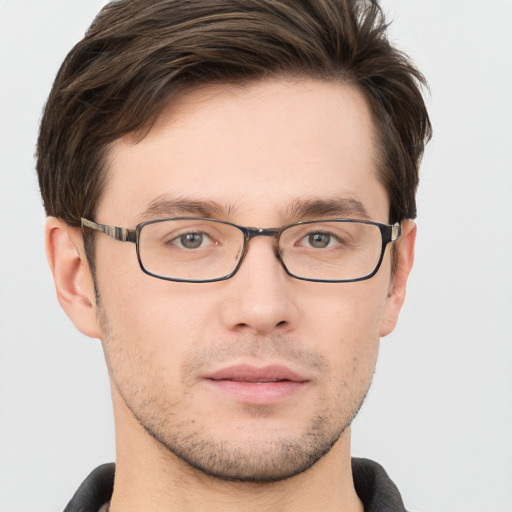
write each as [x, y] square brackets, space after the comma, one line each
[138, 54]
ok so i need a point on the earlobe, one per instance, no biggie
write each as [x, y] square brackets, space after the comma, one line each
[404, 261]
[71, 274]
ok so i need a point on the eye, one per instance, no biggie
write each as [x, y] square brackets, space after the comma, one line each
[191, 240]
[320, 240]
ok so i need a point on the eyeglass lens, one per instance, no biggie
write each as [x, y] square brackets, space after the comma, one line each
[198, 249]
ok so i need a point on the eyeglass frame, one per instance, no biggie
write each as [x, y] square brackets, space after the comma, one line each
[389, 233]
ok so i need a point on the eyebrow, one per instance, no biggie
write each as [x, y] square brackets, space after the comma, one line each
[299, 209]
[164, 206]
[336, 208]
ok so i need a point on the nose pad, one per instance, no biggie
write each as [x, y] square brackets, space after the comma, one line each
[261, 258]
[277, 251]
[260, 232]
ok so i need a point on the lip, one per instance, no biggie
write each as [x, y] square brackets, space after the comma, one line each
[257, 385]
[249, 373]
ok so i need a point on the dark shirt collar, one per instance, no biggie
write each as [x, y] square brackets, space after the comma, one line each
[373, 486]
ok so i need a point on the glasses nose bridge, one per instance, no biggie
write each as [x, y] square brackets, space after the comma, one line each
[254, 232]
[251, 233]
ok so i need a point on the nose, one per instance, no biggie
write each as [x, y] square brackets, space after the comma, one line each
[260, 295]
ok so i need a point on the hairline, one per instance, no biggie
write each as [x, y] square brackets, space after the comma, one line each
[139, 134]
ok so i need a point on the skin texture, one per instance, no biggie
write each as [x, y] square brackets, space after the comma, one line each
[183, 442]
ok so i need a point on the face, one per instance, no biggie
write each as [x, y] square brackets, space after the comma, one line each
[254, 378]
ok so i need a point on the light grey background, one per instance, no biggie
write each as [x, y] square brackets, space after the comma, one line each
[439, 416]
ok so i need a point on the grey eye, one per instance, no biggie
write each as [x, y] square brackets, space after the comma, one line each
[319, 240]
[191, 240]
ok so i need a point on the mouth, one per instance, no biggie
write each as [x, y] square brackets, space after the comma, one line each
[257, 385]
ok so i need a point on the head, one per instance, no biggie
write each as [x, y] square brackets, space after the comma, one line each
[256, 111]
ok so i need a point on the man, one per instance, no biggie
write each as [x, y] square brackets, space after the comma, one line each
[230, 188]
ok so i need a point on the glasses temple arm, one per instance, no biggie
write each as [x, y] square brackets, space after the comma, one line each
[396, 231]
[115, 232]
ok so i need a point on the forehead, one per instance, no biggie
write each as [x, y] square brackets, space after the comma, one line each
[254, 150]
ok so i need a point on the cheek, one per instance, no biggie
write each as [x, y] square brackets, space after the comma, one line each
[354, 310]
[145, 341]
[151, 321]
[345, 324]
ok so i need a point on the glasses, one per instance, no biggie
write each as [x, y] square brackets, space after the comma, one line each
[196, 250]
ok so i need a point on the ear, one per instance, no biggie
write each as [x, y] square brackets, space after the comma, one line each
[71, 274]
[404, 248]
